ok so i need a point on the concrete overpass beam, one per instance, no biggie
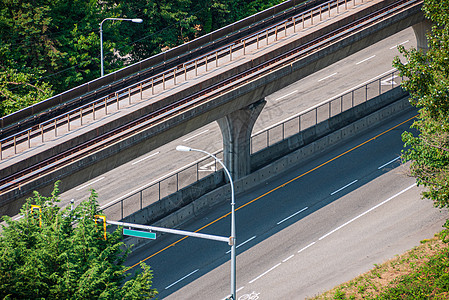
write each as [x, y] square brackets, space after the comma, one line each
[421, 30]
[236, 130]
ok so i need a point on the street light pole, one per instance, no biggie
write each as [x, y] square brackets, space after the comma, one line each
[101, 36]
[232, 237]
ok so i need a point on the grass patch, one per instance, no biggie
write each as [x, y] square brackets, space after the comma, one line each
[420, 273]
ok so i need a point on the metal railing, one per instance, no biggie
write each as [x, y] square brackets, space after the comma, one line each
[192, 173]
[158, 189]
[323, 111]
[162, 81]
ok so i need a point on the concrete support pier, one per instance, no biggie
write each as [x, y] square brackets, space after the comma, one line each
[421, 30]
[236, 130]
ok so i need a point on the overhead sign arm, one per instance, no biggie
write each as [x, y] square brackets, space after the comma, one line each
[173, 231]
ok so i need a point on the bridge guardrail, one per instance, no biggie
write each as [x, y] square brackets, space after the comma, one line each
[160, 80]
[173, 55]
[175, 181]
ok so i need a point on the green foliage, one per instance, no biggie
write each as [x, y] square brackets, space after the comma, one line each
[428, 81]
[19, 90]
[61, 254]
[55, 45]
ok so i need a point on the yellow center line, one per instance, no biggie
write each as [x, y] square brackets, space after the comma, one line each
[276, 188]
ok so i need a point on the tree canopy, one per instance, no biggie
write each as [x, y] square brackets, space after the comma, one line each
[428, 85]
[62, 254]
[47, 47]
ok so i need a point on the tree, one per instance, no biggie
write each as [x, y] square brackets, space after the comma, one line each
[61, 254]
[21, 89]
[428, 85]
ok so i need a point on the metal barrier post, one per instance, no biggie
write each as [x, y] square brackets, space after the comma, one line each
[329, 9]
[196, 68]
[276, 33]
[267, 35]
[163, 81]
[302, 21]
[56, 132]
[42, 132]
[174, 75]
[118, 103]
[1, 151]
[129, 96]
[320, 14]
[311, 17]
[141, 206]
[29, 133]
[15, 142]
[352, 100]
[216, 58]
[230, 53]
[268, 138]
[283, 131]
[93, 111]
[346, 4]
[159, 186]
[341, 104]
[152, 86]
[141, 91]
[366, 92]
[244, 51]
[294, 24]
[68, 122]
[106, 106]
[81, 116]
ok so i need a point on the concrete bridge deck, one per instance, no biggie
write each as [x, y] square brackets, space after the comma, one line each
[102, 123]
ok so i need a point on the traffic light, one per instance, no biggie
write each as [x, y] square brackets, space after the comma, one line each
[103, 218]
[37, 208]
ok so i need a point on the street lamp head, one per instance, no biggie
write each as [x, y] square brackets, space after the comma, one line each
[137, 20]
[183, 148]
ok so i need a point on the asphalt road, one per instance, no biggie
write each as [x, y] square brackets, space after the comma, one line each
[316, 88]
[317, 225]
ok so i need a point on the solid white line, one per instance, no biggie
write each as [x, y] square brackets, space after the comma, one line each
[365, 59]
[328, 76]
[292, 215]
[288, 258]
[181, 279]
[240, 289]
[282, 97]
[309, 245]
[136, 162]
[194, 136]
[242, 243]
[399, 44]
[86, 185]
[266, 272]
[344, 187]
[374, 207]
[393, 160]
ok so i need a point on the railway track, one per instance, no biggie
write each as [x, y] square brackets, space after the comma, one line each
[199, 98]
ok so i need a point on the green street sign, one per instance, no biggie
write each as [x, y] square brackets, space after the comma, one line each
[140, 234]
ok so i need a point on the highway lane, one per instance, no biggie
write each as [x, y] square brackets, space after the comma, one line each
[297, 211]
[316, 88]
